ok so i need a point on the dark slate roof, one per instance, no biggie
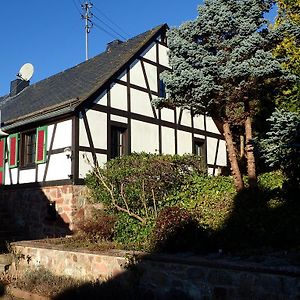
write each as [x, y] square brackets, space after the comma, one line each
[71, 87]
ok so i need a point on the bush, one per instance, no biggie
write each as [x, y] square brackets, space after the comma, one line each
[137, 184]
[176, 230]
[281, 146]
[99, 227]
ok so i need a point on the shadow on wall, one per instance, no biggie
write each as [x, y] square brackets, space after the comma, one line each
[28, 214]
[261, 219]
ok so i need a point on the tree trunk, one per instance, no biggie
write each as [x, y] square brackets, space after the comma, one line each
[251, 169]
[235, 170]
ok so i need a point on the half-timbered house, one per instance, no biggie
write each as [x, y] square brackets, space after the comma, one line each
[101, 108]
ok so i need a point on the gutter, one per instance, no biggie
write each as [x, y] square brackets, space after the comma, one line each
[54, 111]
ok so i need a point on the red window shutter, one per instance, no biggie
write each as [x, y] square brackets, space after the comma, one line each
[13, 150]
[2, 160]
[41, 144]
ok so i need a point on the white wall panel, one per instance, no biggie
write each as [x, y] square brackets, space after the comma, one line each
[186, 118]
[59, 167]
[83, 138]
[85, 166]
[184, 142]
[98, 126]
[14, 175]
[118, 96]
[137, 75]
[119, 119]
[27, 176]
[63, 135]
[151, 72]
[101, 99]
[49, 135]
[167, 114]
[211, 150]
[144, 137]
[199, 136]
[199, 122]
[168, 140]
[41, 171]
[211, 126]
[163, 56]
[222, 154]
[123, 76]
[150, 52]
[140, 103]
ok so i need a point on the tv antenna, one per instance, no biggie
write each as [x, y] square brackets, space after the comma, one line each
[26, 72]
[88, 24]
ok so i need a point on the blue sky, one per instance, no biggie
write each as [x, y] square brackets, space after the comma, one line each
[50, 34]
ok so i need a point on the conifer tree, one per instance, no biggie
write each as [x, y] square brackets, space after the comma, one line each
[220, 62]
[289, 52]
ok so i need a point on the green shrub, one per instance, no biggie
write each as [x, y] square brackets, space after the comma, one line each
[138, 183]
[99, 227]
[132, 233]
[212, 197]
[176, 229]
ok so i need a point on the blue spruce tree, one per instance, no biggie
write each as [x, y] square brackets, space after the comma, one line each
[220, 62]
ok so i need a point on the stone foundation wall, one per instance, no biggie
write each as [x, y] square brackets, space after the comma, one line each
[45, 211]
[169, 277]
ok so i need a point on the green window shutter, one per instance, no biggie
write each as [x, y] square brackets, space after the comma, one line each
[13, 158]
[41, 145]
[2, 160]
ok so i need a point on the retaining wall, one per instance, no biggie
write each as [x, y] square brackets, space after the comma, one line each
[168, 277]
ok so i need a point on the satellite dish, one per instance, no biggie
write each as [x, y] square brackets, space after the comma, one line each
[26, 72]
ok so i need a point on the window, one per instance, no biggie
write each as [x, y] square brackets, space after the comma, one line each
[33, 147]
[28, 148]
[200, 149]
[119, 141]
[162, 89]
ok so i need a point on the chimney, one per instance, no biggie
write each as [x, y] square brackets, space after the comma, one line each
[113, 44]
[17, 85]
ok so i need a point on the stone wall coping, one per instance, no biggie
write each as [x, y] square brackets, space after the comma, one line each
[215, 262]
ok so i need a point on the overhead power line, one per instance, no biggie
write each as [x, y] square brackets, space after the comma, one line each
[111, 21]
[114, 31]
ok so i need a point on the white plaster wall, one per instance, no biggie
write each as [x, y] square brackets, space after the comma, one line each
[222, 154]
[144, 137]
[211, 126]
[118, 96]
[186, 118]
[101, 99]
[150, 52]
[151, 72]
[14, 175]
[98, 126]
[199, 136]
[83, 139]
[119, 119]
[168, 140]
[123, 76]
[41, 171]
[59, 167]
[199, 122]
[63, 135]
[85, 166]
[211, 150]
[140, 103]
[137, 75]
[167, 115]
[49, 135]
[27, 176]
[184, 142]
[163, 56]
[210, 171]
